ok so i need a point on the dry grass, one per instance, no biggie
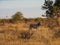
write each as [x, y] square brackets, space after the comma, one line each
[19, 34]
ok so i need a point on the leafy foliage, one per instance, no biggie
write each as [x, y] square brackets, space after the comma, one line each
[48, 5]
[57, 3]
[17, 16]
[39, 19]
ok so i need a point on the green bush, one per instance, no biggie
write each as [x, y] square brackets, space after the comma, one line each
[17, 16]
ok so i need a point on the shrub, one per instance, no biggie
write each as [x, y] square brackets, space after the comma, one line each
[26, 35]
[17, 16]
[57, 34]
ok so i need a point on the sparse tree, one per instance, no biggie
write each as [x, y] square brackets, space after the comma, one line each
[17, 16]
[48, 4]
[52, 10]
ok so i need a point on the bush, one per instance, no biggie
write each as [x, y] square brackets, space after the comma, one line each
[26, 35]
[57, 34]
[17, 16]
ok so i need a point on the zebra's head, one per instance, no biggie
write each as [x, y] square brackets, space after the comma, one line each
[39, 23]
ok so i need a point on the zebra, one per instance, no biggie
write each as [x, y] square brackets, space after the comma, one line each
[35, 26]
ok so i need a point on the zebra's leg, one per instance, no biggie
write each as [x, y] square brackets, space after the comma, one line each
[30, 28]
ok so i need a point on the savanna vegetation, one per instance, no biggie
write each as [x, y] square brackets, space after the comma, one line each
[15, 31]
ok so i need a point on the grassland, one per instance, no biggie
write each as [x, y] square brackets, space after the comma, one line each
[19, 34]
